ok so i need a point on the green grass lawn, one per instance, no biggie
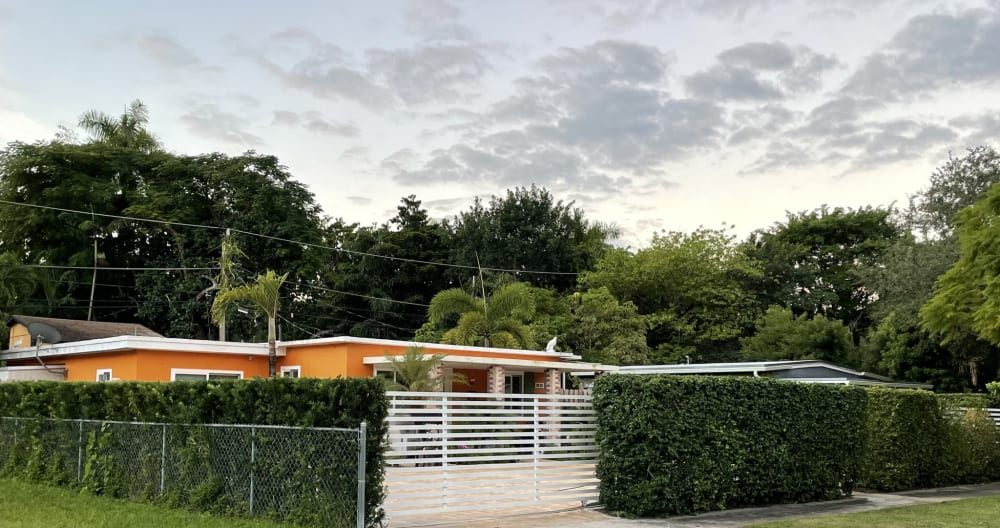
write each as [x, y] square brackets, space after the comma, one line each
[33, 506]
[966, 513]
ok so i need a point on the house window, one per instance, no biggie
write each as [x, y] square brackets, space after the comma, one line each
[293, 371]
[388, 375]
[204, 375]
[104, 375]
[513, 384]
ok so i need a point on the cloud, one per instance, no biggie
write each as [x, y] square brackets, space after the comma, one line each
[930, 53]
[436, 20]
[589, 120]
[429, 73]
[210, 121]
[760, 71]
[166, 52]
[314, 121]
[359, 200]
[383, 78]
[983, 129]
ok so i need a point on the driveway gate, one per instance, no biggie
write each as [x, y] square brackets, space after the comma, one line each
[488, 453]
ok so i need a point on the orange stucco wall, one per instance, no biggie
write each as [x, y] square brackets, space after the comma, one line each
[320, 361]
[476, 378]
[84, 368]
[19, 331]
[155, 365]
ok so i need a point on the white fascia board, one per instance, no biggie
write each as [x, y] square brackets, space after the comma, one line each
[126, 343]
[436, 346]
[476, 361]
[863, 382]
[748, 367]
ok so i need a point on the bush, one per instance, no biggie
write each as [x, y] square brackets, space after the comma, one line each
[993, 393]
[967, 400]
[283, 401]
[679, 444]
[916, 439]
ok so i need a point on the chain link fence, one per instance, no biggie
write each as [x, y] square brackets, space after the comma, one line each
[309, 476]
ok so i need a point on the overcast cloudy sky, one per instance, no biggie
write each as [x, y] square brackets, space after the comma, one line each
[653, 114]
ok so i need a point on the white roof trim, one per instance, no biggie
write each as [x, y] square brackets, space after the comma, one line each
[503, 362]
[437, 346]
[126, 343]
[748, 367]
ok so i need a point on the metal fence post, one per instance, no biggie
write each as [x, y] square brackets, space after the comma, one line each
[362, 448]
[163, 458]
[79, 453]
[253, 460]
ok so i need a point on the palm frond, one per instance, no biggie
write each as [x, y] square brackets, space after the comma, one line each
[513, 300]
[520, 332]
[452, 302]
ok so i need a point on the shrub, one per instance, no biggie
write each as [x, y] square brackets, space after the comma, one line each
[993, 392]
[916, 439]
[904, 445]
[283, 401]
[679, 444]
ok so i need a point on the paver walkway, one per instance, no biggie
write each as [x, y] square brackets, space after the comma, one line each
[725, 519]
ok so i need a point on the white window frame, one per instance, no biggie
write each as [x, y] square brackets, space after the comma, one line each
[206, 372]
[285, 370]
[100, 372]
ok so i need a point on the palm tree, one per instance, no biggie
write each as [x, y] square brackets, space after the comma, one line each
[264, 293]
[497, 320]
[126, 131]
[16, 282]
[415, 372]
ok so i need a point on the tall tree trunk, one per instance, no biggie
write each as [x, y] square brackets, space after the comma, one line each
[272, 352]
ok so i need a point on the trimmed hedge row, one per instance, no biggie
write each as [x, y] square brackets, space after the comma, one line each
[684, 444]
[917, 439]
[284, 401]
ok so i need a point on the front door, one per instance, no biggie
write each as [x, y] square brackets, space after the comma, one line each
[513, 384]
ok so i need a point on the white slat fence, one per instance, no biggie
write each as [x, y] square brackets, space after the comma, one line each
[455, 452]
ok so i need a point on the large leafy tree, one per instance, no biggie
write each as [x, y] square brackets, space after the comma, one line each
[264, 295]
[810, 261]
[782, 335]
[397, 288]
[248, 193]
[528, 229]
[965, 307]
[605, 330]
[691, 290]
[497, 320]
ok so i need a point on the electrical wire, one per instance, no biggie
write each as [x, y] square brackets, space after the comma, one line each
[286, 240]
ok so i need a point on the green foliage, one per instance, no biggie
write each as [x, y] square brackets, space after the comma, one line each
[783, 336]
[964, 309]
[604, 330]
[993, 390]
[810, 261]
[411, 234]
[963, 399]
[691, 290]
[499, 320]
[528, 229]
[957, 184]
[127, 131]
[679, 444]
[907, 353]
[282, 401]
[265, 295]
[415, 371]
[916, 439]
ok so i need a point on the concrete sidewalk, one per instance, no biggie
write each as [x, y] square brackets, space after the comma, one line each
[732, 518]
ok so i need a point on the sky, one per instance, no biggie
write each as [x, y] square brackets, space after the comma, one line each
[649, 114]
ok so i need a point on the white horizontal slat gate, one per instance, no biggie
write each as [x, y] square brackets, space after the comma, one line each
[473, 452]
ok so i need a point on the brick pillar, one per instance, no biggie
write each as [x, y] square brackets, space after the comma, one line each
[495, 379]
[553, 381]
[437, 374]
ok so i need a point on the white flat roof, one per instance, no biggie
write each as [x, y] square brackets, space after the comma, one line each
[437, 346]
[127, 343]
[479, 362]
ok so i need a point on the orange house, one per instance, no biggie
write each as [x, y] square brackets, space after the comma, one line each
[60, 349]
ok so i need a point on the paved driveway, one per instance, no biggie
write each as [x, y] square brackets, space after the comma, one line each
[725, 519]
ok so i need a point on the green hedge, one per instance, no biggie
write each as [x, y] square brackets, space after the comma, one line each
[968, 400]
[294, 402]
[916, 439]
[680, 444]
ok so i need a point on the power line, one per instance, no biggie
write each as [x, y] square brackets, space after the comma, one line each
[112, 268]
[289, 241]
[358, 294]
